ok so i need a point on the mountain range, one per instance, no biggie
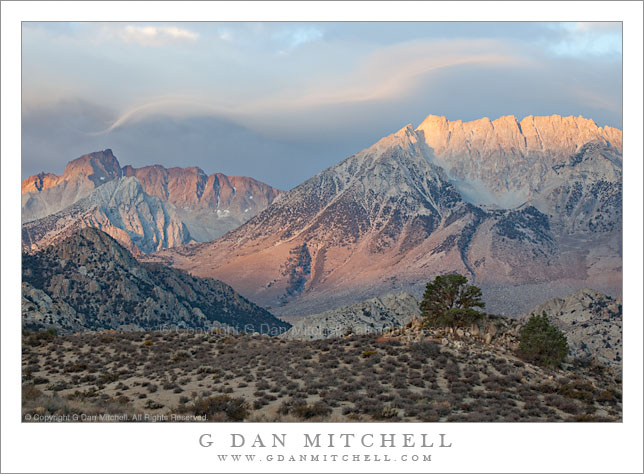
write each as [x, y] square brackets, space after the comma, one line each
[528, 210]
[145, 209]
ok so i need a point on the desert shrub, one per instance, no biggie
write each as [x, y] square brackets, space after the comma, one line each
[546, 387]
[152, 405]
[371, 407]
[76, 367]
[541, 343]
[417, 382]
[285, 407]
[235, 409]
[399, 381]
[108, 378]
[577, 391]
[58, 386]
[121, 400]
[608, 395]
[563, 404]
[29, 392]
[471, 378]
[386, 413]
[262, 385]
[367, 354]
[430, 415]
[39, 338]
[305, 411]
[586, 417]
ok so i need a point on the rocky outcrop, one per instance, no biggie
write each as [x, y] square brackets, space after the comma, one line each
[40, 311]
[184, 202]
[392, 217]
[497, 332]
[89, 281]
[371, 316]
[592, 323]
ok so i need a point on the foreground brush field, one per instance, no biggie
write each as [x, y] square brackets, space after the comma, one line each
[401, 376]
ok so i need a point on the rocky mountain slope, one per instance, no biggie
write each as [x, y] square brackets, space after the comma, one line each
[209, 206]
[592, 323]
[396, 214]
[138, 221]
[181, 204]
[89, 281]
[371, 316]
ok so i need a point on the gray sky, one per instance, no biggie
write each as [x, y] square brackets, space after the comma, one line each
[283, 101]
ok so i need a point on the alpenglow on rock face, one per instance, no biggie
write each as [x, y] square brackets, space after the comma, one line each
[145, 209]
[209, 206]
[46, 193]
[90, 282]
[423, 202]
[506, 162]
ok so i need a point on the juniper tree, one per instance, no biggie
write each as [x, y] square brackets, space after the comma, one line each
[542, 343]
[450, 301]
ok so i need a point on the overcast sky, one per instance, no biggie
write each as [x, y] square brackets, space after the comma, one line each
[283, 101]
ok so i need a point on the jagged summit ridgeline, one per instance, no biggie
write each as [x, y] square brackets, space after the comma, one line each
[551, 136]
[505, 162]
[160, 207]
[90, 282]
[47, 193]
[209, 205]
[95, 168]
[525, 222]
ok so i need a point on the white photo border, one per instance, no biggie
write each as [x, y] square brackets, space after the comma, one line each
[477, 447]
